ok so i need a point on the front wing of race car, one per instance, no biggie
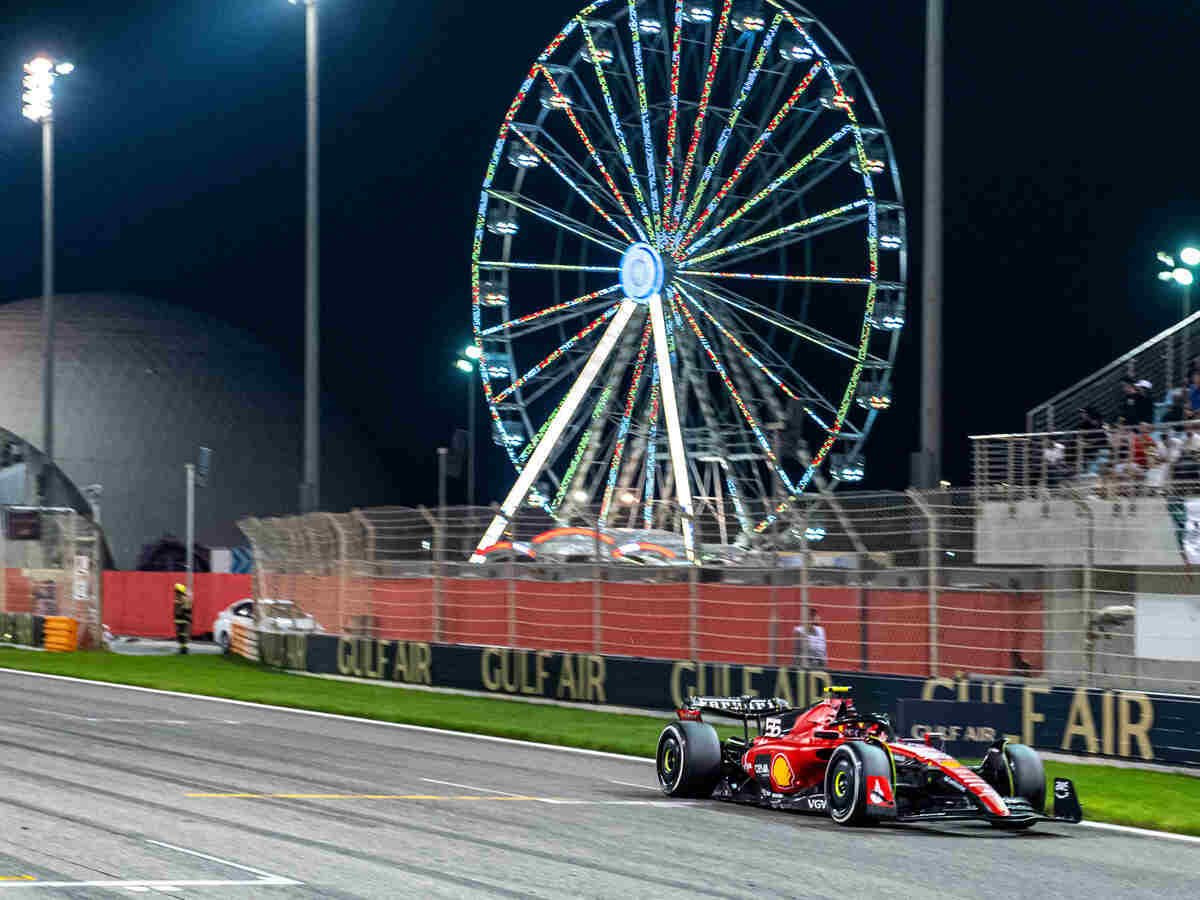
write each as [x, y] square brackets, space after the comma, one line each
[1019, 813]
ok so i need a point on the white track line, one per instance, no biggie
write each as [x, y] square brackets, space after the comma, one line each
[218, 859]
[471, 787]
[1143, 832]
[644, 787]
[466, 735]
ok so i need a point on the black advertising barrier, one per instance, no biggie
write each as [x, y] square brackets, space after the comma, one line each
[1128, 724]
[22, 628]
[968, 728]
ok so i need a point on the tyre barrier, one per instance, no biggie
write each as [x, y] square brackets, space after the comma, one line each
[61, 634]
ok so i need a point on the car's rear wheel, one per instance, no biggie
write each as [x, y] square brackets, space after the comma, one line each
[223, 640]
[688, 759]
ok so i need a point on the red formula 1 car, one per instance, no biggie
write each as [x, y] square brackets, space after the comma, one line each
[831, 758]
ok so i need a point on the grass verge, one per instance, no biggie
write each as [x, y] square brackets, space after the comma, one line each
[1144, 799]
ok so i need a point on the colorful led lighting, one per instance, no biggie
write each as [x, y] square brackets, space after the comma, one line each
[651, 448]
[737, 399]
[627, 415]
[779, 232]
[639, 68]
[618, 130]
[755, 148]
[549, 310]
[591, 148]
[563, 175]
[736, 114]
[757, 198]
[556, 354]
[702, 111]
[673, 117]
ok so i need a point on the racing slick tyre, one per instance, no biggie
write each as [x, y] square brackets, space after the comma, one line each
[1028, 775]
[688, 760]
[846, 777]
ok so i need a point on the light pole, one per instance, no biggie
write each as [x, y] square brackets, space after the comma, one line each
[310, 489]
[930, 469]
[37, 105]
[1182, 276]
[467, 366]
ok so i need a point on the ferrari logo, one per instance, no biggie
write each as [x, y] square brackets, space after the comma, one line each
[781, 771]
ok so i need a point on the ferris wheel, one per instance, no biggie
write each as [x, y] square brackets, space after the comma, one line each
[688, 270]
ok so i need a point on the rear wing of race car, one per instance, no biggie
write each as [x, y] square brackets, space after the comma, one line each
[745, 708]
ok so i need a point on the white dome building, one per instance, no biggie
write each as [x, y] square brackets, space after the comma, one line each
[140, 386]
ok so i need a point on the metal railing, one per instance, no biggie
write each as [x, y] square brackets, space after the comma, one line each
[1119, 459]
[51, 562]
[1163, 360]
[1059, 586]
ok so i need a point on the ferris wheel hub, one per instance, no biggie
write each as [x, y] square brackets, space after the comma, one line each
[642, 272]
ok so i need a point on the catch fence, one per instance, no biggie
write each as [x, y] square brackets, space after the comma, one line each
[921, 583]
[50, 563]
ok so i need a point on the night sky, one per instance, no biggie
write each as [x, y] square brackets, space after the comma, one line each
[1070, 159]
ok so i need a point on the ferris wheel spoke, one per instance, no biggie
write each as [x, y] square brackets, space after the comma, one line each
[591, 148]
[548, 267]
[761, 195]
[623, 429]
[651, 449]
[779, 232]
[557, 354]
[762, 276]
[702, 111]
[537, 459]
[785, 323]
[644, 109]
[732, 338]
[755, 149]
[557, 219]
[734, 116]
[549, 310]
[673, 116]
[618, 131]
[738, 401]
[836, 223]
[571, 183]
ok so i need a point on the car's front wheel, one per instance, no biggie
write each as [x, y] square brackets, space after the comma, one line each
[223, 640]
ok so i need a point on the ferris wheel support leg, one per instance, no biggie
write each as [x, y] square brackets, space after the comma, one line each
[545, 446]
[674, 433]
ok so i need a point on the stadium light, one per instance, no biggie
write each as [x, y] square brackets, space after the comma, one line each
[1183, 276]
[37, 105]
[467, 366]
[1190, 256]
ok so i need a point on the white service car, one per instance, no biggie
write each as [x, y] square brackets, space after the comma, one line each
[280, 615]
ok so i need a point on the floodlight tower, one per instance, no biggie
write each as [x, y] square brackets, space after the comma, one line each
[310, 489]
[1181, 275]
[37, 105]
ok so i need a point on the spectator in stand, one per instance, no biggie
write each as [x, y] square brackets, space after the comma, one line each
[1143, 403]
[1194, 393]
[810, 645]
[1095, 441]
[1128, 408]
[1176, 406]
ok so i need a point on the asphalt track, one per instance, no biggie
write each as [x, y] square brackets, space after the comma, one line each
[109, 792]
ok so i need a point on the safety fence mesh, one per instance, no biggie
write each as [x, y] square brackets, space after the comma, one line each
[1093, 591]
[50, 562]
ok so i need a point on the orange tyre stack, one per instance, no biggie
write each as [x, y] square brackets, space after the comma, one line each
[62, 634]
